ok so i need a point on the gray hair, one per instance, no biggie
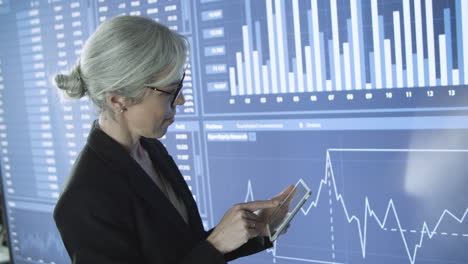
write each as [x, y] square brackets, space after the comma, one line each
[123, 55]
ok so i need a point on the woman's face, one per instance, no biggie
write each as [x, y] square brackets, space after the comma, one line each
[154, 114]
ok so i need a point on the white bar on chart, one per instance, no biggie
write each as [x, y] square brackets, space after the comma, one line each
[280, 41]
[266, 84]
[377, 51]
[298, 46]
[356, 45]
[398, 55]
[443, 60]
[368, 85]
[456, 77]
[328, 85]
[408, 44]
[316, 47]
[347, 65]
[419, 42]
[232, 81]
[292, 82]
[336, 44]
[388, 63]
[240, 73]
[430, 43]
[464, 12]
[308, 61]
[248, 62]
[256, 65]
[272, 47]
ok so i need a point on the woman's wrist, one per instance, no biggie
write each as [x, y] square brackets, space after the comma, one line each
[215, 243]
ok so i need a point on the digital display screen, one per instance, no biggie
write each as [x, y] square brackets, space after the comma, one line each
[365, 100]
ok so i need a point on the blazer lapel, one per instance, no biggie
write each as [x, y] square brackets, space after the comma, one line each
[118, 158]
[149, 191]
[170, 171]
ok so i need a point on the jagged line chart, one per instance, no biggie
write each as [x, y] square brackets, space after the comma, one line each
[43, 245]
[426, 231]
[35, 238]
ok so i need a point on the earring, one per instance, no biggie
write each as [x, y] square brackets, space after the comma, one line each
[123, 109]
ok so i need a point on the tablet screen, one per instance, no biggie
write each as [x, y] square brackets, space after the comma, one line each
[287, 209]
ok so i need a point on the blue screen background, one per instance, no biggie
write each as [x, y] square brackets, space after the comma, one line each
[365, 100]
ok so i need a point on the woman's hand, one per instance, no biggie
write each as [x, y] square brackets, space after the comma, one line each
[266, 215]
[239, 224]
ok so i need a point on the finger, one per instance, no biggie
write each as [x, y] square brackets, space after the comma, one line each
[284, 193]
[252, 233]
[254, 229]
[285, 230]
[290, 197]
[251, 224]
[260, 227]
[287, 190]
[250, 216]
[257, 205]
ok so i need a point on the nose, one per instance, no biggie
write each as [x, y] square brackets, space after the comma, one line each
[180, 99]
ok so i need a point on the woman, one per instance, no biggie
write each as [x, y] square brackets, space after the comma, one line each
[126, 201]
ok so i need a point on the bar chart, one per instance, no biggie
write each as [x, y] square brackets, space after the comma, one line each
[291, 51]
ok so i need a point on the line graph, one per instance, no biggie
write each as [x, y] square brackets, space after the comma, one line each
[41, 246]
[40, 242]
[426, 231]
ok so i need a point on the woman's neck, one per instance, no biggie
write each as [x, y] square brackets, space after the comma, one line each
[118, 130]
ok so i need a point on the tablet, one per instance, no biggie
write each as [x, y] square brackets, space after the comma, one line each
[287, 209]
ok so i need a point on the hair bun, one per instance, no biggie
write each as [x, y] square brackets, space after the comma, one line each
[72, 83]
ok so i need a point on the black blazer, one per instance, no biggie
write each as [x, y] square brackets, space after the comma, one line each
[112, 212]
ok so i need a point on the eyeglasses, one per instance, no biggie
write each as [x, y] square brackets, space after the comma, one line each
[176, 94]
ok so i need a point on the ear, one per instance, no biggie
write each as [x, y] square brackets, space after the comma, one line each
[116, 102]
